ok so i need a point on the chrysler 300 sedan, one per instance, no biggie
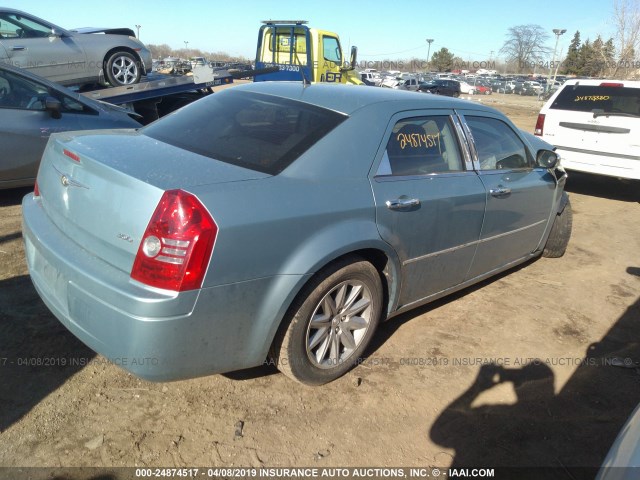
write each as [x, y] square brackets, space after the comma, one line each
[72, 57]
[284, 222]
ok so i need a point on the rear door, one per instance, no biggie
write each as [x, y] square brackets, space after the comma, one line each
[519, 196]
[429, 201]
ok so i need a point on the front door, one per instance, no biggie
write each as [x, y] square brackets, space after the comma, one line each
[519, 196]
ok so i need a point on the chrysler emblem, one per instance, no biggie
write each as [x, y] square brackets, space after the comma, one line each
[68, 181]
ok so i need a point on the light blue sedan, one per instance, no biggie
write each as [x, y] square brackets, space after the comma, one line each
[283, 222]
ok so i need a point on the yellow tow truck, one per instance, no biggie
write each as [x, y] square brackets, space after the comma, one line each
[290, 50]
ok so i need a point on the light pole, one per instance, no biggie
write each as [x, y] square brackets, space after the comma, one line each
[186, 44]
[138, 31]
[429, 41]
[557, 32]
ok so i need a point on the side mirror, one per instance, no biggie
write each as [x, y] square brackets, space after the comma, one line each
[54, 107]
[352, 60]
[547, 159]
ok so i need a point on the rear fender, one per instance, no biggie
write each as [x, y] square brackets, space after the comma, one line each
[324, 248]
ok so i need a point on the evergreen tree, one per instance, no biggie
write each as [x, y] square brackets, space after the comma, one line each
[585, 53]
[442, 60]
[571, 63]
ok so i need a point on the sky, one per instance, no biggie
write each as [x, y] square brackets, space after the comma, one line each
[473, 30]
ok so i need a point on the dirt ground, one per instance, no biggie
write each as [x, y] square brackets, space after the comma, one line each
[428, 394]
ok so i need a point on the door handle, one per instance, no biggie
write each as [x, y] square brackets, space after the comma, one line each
[402, 203]
[500, 192]
[18, 47]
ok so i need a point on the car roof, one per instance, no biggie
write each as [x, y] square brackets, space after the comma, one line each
[349, 98]
[590, 81]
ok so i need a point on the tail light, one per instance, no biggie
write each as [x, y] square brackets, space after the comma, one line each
[539, 130]
[36, 190]
[176, 247]
[72, 155]
[612, 84]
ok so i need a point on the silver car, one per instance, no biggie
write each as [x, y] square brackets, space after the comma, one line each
[282, 221]
[32, 108]
[72, 57]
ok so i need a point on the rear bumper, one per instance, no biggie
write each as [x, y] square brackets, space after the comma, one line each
[154, 334]
[621, 166]
[147, 61]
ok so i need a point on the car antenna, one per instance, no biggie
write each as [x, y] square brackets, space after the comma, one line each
[305, 81]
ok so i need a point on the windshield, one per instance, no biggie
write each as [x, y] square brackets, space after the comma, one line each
[590, 98]
[251, 130]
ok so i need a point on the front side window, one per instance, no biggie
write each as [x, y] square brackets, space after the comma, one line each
[331, 49]
[497, 145]
[422, 146]
[260, 132]
[18, 26]
[25, 94]
[17, 92]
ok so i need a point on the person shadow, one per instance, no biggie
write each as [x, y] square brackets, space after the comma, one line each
[482, 437]
[563, 435]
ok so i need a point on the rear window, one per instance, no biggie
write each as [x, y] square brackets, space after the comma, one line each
[250, 130]
[587, 98]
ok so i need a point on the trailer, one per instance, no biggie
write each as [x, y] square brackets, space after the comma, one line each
[160, 94]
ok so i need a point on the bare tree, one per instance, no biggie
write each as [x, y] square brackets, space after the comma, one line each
[626, 20]
[525, 46]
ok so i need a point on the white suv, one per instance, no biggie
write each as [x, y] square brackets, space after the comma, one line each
[595, 126]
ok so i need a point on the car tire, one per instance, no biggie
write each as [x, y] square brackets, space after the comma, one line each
[560, 233]
[123, 68]
[345, 299]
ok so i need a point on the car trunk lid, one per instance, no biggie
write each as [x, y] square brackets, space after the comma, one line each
[102, 196]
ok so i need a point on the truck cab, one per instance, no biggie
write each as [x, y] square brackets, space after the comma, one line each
[302, 53]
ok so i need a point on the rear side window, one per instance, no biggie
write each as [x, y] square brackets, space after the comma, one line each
[251, 130]
[587, 98]
[422, 146]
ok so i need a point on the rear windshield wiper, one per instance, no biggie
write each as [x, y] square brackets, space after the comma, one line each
[601, 113]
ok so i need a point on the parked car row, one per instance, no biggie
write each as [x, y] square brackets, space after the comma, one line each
[468, 85]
